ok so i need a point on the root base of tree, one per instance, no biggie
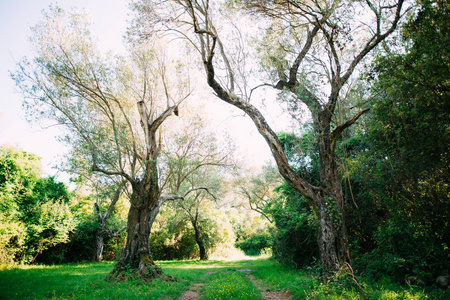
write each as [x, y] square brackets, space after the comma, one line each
[142, 273]
[344, 276]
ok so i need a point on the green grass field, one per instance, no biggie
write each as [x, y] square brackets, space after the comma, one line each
[211, 279]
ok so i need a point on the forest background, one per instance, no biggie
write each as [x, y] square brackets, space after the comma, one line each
[393, 163]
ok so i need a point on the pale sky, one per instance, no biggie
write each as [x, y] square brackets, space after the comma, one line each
[16, 18]
[109, 25]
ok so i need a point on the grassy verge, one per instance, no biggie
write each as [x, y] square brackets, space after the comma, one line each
[218, 278]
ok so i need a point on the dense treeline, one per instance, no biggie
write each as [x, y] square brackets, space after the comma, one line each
[400, 169]
[42, 222]
[35, 213]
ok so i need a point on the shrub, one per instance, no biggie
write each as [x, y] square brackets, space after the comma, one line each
[256, 243]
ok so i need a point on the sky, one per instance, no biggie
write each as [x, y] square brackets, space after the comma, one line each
[109, 26]
[16, 19]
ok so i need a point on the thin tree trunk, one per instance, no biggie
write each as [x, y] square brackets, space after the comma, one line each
[99, 243]
[101, 231]
[199, 241]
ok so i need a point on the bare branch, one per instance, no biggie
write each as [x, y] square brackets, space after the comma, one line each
[181, 197]
[339, 129]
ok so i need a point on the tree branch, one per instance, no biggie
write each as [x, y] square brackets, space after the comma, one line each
[263, 128]
[163, 199]
[339, 129]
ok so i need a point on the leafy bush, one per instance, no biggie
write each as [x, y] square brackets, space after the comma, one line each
[80, 248]
[256, 243]
[165, 246]
[51, 226]
[12, 239]
[295, 242]
[34, 211]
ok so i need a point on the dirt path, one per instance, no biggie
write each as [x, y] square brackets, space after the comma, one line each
[194, 292]
[266, 293]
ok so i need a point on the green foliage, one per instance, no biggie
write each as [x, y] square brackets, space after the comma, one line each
[12, 238]
[81, 247]
[50, 226]
[294, 240]
[302, 153]
[256, 243]
[173, 236]
[214, 230]
[296, 223]
[254, 234]
[174, 242]
[35, 211]
[401, 175]
[249, 225]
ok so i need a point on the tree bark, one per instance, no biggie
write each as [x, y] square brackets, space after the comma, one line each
[136, 256]
[199, 241]
[332, 236]
[327, 199]
[99, 242]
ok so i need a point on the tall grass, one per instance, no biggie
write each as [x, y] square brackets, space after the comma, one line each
[219, 280]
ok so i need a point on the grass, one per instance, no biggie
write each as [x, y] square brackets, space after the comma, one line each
[218, 278]
[231, 285]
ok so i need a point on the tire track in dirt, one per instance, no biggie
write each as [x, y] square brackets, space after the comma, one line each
[266, 293]
[194, 291]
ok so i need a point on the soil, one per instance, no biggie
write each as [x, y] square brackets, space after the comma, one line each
[192, 293]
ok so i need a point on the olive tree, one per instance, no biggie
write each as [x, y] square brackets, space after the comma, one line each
[311, 49]
[111, 110]
[196, 163]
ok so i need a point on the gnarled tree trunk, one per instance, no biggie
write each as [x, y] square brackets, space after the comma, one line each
[322, 26]
[137, 257]
[328, 204]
